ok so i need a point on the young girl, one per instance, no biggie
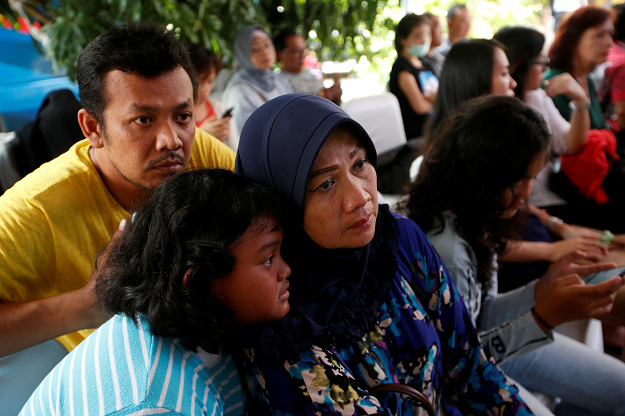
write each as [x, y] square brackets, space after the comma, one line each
[209, 111]
[201, 255]
[479, 170]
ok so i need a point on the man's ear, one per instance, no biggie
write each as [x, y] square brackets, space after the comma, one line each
[90, 128]
[187, 275]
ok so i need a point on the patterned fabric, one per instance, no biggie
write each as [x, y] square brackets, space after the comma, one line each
[423, 337]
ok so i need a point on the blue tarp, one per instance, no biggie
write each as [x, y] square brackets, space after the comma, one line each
[26, 77]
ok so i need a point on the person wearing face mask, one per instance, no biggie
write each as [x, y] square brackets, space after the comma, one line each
[412, 79]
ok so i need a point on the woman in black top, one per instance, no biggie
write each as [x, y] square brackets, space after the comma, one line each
[412, 80]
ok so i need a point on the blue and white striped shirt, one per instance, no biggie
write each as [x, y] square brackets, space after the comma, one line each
[122, 369]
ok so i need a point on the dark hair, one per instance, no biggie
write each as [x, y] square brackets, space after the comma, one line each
[454, 9]
[523, 46]
[619, 21]
[571, 29]
[467, 73]
[405, 26]
[142, 48]
[188, 223]
[281, 38]
[204, 60]
[485, 147]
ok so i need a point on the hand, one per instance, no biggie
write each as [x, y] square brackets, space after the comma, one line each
[430, 96]
[594, 250]
[564, 267]
[568, 299]
[218, 127]
[97, 314]
[334, 93]
[566, 84]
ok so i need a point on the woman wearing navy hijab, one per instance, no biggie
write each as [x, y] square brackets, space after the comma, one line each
[370, 299]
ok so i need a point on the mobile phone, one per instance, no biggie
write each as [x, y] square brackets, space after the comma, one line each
[604, 275]
[228, 112]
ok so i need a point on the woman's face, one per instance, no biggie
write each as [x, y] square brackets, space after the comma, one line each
[255, 291]
[595, 43]
[534, 76]
[206, 84]
[418, 35]
[502, 82]
[263, 53]
[520, 191]
[341, 205]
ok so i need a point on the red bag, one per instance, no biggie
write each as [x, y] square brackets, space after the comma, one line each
[587, 169]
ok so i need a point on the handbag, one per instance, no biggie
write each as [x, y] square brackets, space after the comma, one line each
[405, 390]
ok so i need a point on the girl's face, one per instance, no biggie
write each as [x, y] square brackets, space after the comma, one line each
[341, 205]
[520, 191]
[534, 76]
[263, 53]
[502, 82]
[595, 43]
[206, 84]
[418, 35]
[255, 291]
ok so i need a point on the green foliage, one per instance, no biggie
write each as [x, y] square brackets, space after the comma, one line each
[336, 29]
[75, 23]
[490, 15]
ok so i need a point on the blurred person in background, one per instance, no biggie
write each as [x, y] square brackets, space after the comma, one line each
[412, 80]
[434, 59]
[291, 51]
[209, 111]
[459, 22]
[254, 82]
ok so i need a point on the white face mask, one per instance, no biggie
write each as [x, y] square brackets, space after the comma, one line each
[419, 50]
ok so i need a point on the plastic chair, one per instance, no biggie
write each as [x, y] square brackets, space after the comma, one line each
[380, 116]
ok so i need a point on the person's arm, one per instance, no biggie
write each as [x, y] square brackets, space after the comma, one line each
[565, 84]
[28, 323]
[25, 324]
[419, 103]
[528, 251]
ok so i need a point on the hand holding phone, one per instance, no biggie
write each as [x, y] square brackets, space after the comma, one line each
[603, 276]
[228, 112]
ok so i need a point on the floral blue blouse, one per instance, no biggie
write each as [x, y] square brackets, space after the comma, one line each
[423, 338]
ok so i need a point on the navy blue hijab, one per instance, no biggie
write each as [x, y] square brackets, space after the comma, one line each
[335, 293]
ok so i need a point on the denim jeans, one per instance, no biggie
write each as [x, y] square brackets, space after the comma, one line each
[587, 382]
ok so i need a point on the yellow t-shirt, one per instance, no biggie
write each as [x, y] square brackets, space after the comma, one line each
[55, 221]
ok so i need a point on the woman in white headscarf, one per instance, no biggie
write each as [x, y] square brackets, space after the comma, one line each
[254, 83]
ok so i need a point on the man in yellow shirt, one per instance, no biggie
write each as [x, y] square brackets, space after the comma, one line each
[138, 91]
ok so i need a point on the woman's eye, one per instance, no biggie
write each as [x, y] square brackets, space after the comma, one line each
[360, 165]
[325, 186]
[269, 260]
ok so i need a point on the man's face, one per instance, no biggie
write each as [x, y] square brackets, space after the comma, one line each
[292, 57]
[460, 24]
[148, 127]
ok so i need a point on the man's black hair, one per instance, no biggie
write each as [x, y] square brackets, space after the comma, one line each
[142, 48]
[280, 39]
